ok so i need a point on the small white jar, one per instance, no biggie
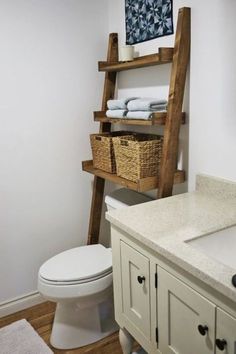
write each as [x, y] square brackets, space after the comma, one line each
[127, 53]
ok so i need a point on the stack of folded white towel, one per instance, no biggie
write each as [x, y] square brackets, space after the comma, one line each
[133, 107]
[118, 108]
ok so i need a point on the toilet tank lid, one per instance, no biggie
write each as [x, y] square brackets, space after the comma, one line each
[123, 197]
[80, 263]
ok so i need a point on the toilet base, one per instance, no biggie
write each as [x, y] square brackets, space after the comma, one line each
[75, 326]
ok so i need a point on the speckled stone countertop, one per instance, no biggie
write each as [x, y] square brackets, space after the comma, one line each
[166, 226]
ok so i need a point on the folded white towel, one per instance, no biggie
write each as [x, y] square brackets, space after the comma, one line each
[120, 103]
[139, 114]
[116, 113]
[142, 114]
[147, 104]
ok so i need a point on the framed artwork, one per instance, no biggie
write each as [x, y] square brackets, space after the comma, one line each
[148, 19]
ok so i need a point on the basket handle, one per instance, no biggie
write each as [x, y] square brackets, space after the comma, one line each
[98, 138]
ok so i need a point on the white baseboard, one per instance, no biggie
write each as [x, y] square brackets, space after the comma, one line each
[20, 303]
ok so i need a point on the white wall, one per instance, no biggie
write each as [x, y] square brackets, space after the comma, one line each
[49, 87]
[213, 90]
[210, 99]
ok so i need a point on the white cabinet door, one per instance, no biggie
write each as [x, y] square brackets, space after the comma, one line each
[225, 333]
[181, 311]
[136, 289]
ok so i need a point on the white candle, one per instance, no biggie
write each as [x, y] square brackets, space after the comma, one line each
[127, 53]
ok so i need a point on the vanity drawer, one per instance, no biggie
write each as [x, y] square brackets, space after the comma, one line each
[135, 270]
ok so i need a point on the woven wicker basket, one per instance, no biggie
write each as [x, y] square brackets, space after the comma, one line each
[138, 156]
[103, 151]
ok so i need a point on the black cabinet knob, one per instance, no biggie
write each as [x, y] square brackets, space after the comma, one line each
[141, 279]
[202, 330]
[234, 280]
[221, 344]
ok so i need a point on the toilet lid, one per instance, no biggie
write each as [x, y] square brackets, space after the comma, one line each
[81, 263]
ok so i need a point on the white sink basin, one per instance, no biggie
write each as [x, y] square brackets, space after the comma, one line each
[219, 245]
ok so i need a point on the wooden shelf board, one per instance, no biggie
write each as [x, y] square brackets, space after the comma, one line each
[157, 119]
[142, 185]
[164, 56]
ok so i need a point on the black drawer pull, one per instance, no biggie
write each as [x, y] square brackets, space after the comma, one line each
[202, 330]
[221, 344]
[141, 279]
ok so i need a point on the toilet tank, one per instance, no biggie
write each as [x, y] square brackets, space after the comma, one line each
[123, 197]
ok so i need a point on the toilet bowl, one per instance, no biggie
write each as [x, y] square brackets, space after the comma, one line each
[79, 280]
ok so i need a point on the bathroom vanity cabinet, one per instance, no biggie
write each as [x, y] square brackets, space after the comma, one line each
[163, 307]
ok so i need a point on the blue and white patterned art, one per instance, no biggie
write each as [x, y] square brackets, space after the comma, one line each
[148, 19]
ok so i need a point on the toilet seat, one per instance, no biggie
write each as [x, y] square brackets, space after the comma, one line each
[64, 292]
[77, 266]
[76, 282]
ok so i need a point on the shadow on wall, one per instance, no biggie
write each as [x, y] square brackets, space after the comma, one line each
[104, 237]
[145, 78]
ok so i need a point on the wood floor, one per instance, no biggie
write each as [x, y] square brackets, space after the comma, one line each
[41, 318]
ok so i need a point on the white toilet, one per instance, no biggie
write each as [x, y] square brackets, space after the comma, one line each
[80, 281]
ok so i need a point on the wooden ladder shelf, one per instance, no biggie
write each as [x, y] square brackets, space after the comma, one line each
[172, 119]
